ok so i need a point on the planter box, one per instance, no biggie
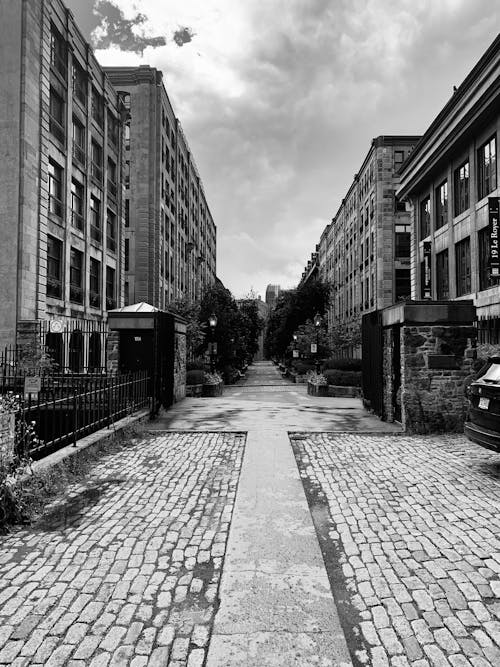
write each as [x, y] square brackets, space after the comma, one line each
[194, 389]
[213, 389]
[317, 389]
[332, 390]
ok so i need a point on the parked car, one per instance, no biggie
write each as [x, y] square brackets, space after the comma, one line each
[483, 425]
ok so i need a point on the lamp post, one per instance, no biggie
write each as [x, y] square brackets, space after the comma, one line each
[295, 352]
[318, 320]
[212, 321]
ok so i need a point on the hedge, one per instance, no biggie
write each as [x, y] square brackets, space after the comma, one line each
[343, 378]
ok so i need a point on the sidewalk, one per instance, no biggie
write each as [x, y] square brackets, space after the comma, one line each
[276, 605]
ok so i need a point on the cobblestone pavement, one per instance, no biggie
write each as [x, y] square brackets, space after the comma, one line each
[126, 571]
[409, 529]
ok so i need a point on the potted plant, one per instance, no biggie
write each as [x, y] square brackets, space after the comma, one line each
[317, 384]
[212, 384]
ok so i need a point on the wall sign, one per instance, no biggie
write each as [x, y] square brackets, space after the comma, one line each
[493, 213]
[427, 269]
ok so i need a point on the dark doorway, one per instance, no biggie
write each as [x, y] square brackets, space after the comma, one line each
[136, 351]
[76, 352]
[54, 348]
[95, 352]
[396, 372]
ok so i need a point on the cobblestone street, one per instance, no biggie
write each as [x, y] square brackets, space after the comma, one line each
[414, 524]
[126, 570]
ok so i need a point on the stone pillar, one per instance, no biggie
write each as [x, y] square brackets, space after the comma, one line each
[388, 371]
[179, 360]
[29, 345]
[7, 430]
[436, 366]
[113, 352]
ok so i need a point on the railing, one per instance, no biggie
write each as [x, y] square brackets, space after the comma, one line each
[69, 408]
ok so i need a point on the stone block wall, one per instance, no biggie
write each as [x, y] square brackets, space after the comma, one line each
[388, 370]
[179, 361]
[6, 437]
[113, 352]
[436, 364]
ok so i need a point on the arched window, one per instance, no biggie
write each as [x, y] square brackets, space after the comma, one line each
[94, 352]
[54, 348]
[76, 352]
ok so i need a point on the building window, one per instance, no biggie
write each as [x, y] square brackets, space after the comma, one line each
[127, 212]
[442, 205]
[96, 160]
[79, 84]
[77, 197]
[112, 188]
[127, 254]
[79, 147]
[110, 288]
[58, 53]
[402, 245]
[111, 231]
[425, 218]
[76, 276]
[95, 283]
[484, 258]
[97, 107]
[487, 168]
[399, 157]
[55, 189]
[54, 267]
[95, 219]
[57, 116]
[463, 269]
[112, 130]
[76, 352]
[402, 283]
[442, 275]
[461, 179]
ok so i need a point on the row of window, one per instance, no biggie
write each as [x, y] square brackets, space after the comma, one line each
[462, 268]
[486, 183]
[56, 207]
[55, 273]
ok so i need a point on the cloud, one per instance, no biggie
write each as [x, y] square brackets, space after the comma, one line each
[116, 30]
[280, 100]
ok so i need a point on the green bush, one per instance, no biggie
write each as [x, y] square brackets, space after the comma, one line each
[343, 378]
[348, 364]
[195, 377]
[302, 367]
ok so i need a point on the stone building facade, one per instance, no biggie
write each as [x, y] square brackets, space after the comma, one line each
[449, 183]
[364, 253]
[61, 243]
[170, 235]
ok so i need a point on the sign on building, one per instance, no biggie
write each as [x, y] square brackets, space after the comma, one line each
[427, 270]
[493, 213]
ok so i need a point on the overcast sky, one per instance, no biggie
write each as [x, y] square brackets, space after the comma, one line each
[279, 100]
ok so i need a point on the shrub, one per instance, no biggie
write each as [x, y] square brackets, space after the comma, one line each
[196, 365]
[316, 378]
[348, 364]
[195, 377]
[303, 367]
[343, 378]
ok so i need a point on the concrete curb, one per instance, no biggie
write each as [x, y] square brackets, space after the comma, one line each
[87, 443]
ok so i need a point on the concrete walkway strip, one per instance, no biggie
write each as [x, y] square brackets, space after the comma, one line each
[276, 603]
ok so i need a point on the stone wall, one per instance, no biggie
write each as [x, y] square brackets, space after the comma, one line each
[179, 361]
[387, 366]
[6, 437]
[436, 367]
[113, 352]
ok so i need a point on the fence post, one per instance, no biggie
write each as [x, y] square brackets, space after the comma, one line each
[75, 420]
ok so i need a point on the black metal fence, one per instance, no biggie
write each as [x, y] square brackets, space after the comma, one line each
[68, 408]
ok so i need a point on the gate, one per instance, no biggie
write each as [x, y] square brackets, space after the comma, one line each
[372, 362]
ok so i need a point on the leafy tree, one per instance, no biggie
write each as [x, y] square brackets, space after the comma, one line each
[308, 334]
[294, 308]
[195, 328]
[252, 325]
[346, 336]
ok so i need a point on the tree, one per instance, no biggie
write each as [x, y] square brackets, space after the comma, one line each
[294, 308]
[195, 328]
[346, 336]
[252, 325]
[307, 334]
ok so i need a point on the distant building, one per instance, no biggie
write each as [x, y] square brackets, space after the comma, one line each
[451, 184]
[170, 236]
[272, 294]
[364, 253]
[61, 244]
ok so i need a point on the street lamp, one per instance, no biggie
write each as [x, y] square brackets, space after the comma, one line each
[295, 352]
[318, 321]
[212, 321]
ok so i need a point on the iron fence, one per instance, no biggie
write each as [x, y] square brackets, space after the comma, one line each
[68, 407]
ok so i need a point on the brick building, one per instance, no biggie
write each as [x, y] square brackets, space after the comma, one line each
[364, 253]
[449, 181]
[61, 250]
[170, 236]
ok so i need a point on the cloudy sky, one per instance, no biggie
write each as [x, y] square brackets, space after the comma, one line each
[280, 99]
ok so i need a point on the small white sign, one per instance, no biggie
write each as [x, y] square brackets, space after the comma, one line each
[295, 354]
[32, 384]
[314, 348]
